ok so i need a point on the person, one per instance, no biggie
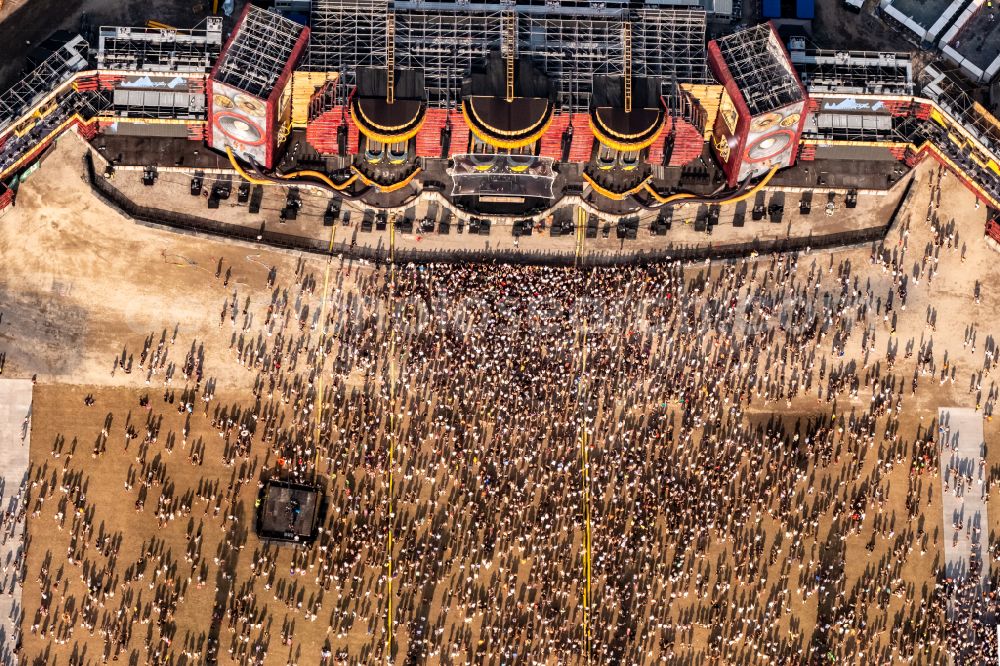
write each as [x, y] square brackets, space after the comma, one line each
[702, 450]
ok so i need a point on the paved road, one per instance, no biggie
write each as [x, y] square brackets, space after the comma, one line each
[15, 434]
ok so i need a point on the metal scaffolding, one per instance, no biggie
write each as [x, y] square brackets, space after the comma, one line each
[571, 47]
[758, 64]
[670, 46]
[15, 151]
[259, 52]
[154, 50]
[54, 70]
[949, 95]
[445, 44]
[346, 35]
[854, 72]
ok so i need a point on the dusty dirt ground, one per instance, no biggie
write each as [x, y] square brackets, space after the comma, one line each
[116, 290]
[81, 287]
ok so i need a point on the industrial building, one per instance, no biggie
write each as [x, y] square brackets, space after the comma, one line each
[506, 110]
[967, 32]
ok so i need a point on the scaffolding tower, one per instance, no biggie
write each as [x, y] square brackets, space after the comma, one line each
[346, 35]
[571, 47]
[259, 52]
[670, 46]
[39, 82]
[760, 68]
[949, 95]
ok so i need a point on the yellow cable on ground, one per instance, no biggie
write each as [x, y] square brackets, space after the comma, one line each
[687, 195]
[288, 176]
[753, 190]
[392, 439]
[385, 189]
[321, 176]
[585, 458]
[614, 196]
[665, 200]
[246, 176]
[318, 405]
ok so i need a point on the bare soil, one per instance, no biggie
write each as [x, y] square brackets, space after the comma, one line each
[80, 285]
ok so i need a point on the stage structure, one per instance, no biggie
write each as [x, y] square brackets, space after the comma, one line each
[420, 81]
[42, 104]
[290, 512]
[249, 91]
[514, 176]
[154, 50]
[445, 40]
[44, 81]
[502, 109]
[852, 72]
[159, 76]
[856, 97]
[763, 106]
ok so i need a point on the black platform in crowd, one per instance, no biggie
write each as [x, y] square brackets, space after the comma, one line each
[289, 512]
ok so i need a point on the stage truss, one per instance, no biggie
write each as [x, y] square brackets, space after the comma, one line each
[570, 46]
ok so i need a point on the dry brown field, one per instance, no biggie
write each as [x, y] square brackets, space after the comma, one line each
[81, 286]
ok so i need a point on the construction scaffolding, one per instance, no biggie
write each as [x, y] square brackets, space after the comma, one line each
[940, 87]
[346, 35]
[41, 81]
[445, 44]
[670, 44]
[666, 45]
[854, 72]
[760, 68]
[71, 108]
[154, 50]
[258, 53]
[571, 47]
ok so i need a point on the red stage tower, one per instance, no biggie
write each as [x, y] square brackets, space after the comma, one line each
[249, 91]
[763, 107]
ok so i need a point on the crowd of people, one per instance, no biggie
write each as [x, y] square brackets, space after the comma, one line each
[628, 465]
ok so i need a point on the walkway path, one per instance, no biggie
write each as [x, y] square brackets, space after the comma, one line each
[962, 438]
[966, 528]
[15, 430]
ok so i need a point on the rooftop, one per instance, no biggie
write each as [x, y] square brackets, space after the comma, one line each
[858, 72]
[156, 50]
[258, 52]
[924, 13]
[979, 39]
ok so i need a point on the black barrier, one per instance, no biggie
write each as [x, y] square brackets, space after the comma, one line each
[378, 255]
